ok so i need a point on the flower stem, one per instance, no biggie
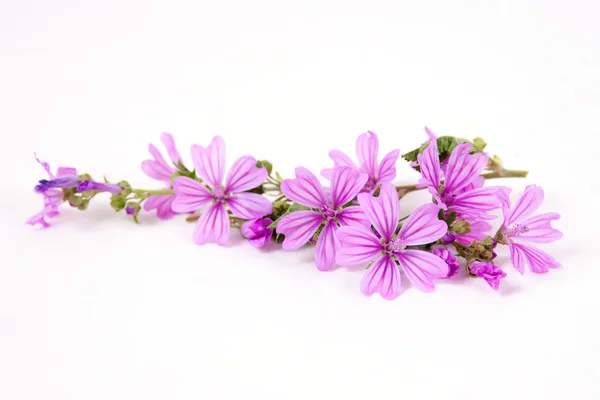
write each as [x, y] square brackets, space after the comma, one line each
[142, 192]
[505, 173]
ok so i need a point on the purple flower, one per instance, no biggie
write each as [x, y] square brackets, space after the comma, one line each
[130, 210]
[359, 245]
[445, 254]
[160, 170]
[461, 190]
[519, 226]
[326, 208]
[98, 186]
[256, 231]
[192, 196]
[367, 148]
[51, 193]
[488, 271]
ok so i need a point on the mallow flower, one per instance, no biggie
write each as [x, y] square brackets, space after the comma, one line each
[367, 149]
[449, 258]
[460, 190]
[51, 192]
[520, 227]
[160, 170]
[192, 196]
[360, 245]
[325, 208]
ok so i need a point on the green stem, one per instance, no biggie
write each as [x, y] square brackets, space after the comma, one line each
[142, 192]
[505, 173]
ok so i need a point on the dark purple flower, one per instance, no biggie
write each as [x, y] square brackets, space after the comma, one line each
[99, 186]
[58, 183]
[445, 254]
[130, 210]
[488, 271]
[257, 232]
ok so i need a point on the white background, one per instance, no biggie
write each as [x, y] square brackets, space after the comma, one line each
[99, 308]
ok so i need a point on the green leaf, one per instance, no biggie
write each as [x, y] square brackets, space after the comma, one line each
[445, 146]
[293, 207]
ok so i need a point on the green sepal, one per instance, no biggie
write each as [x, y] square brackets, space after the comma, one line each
[291, 209]
[479, 144]
[461, 227]
[265, 164]
[117, 202]
[318, 233]
[135, 205]
[126, 188]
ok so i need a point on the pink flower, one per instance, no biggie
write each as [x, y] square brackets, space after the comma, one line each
[257, 232]
[488, 271]
[160, 170]
[51, 192]
[359, 245]
[326, 208]
[367, 149]
[461, 190]
[449, 258]
[519, 226]
[191, 195]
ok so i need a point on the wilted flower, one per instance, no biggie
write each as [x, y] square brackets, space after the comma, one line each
[257, 232]
[488, 271]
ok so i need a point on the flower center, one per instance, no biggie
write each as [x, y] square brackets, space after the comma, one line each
[328, 212]
[219, 195]
[394, 245]
[370, 185]
[517, 229]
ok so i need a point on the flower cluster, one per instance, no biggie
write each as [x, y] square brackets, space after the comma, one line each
[353, 220]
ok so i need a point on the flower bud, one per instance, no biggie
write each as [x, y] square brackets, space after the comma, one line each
[445, 254]
[257, 232]
[461, 227]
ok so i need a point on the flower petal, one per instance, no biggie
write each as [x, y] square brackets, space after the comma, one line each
[63, 172]
[423, 226]
[538, 261]
[44, 165]
[422, 267]
[353, 215]
[477, 201]
[539, 229]
[387, 168]
[298, 228]
[213, 225]
[340, 159]
[327, 244]
[429, 162]
[367, 147]
[382, 277]
[169, 143]
[249, 205]
[358, 245]
[462, 168]
[162, 203]
[244, 175]
[383, 211]
[528, 203]
[210, 161]
[305, 189]
[158, 168]
[190, 195]
[346, 183]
